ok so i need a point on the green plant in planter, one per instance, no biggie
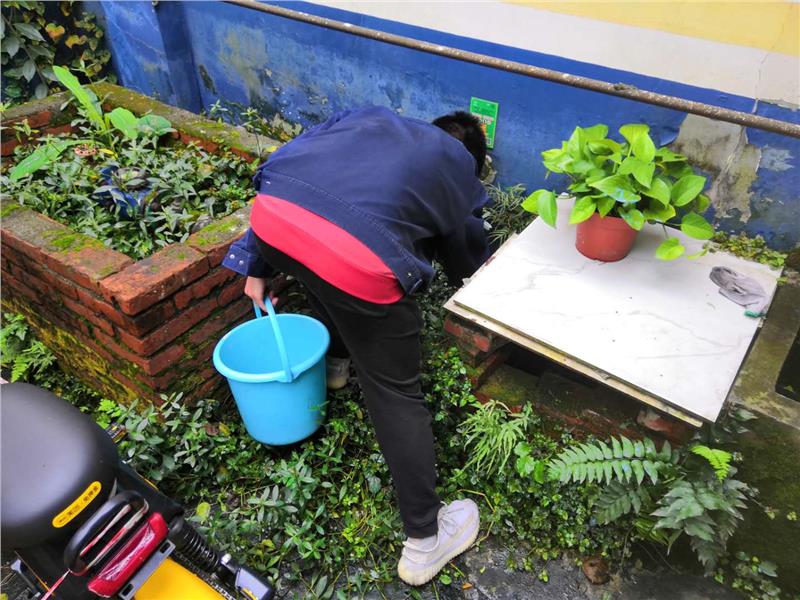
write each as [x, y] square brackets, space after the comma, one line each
[120, 119]
[631, 179]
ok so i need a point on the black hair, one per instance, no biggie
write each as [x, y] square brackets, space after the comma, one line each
[468, 130]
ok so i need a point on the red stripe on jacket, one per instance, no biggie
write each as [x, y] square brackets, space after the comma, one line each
[329, 251]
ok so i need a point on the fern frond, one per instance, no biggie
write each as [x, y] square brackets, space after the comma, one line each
[719, 460]
[624, 461]
[617, 500]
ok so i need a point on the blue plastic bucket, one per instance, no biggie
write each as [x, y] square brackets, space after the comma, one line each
[275, 368]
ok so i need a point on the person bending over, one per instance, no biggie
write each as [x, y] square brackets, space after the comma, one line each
[357, 209]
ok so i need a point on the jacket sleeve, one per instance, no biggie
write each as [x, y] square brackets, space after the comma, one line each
[466, 248]
[244, 258]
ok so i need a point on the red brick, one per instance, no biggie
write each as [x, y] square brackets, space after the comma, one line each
[671, 428]
[139, 325]
[35, 121]
[151, 366]
[219, 324]
[21, 289]
[214, 239]
[209, 388]
[170, 330]
[472, 334]
[76, 256]
[65, 286]
[200, 289]
[232, 292]
[95, 319]
[118, 350]
[164, 359]
[151, 280]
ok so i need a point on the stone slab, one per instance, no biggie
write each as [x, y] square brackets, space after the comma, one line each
[658, 327]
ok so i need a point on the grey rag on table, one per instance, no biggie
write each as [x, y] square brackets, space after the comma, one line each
[741, 289]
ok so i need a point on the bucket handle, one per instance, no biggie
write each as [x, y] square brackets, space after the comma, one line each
[287, 376]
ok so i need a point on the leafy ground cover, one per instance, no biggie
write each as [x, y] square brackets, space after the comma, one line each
[320, 515]
[178, 188]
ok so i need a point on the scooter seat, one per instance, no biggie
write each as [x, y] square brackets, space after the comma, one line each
[58, 466]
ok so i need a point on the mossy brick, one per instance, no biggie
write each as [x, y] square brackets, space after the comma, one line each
[511, 386]
[478, 374]
[95, 319]
[154, 278]
[150, 366]
[217, 277]
[214, 239]
[8, 206]
[76, 256]
[241, 142]
[170, 330]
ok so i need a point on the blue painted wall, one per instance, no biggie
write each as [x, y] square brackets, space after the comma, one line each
[195, 53]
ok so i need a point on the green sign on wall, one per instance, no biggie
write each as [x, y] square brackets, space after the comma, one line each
[486, 111]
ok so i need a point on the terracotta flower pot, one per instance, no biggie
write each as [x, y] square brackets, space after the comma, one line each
[605, 238]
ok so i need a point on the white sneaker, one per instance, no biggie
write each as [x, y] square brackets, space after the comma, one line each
[423, 558]
[337, 372]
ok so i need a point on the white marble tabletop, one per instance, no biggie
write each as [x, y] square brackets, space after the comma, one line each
[662, 327]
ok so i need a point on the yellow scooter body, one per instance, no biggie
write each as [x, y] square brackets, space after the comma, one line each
[171, 581]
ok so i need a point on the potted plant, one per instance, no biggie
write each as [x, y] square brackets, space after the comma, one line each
[620, 185]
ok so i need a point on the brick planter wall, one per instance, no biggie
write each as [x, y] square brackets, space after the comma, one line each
[128, 329]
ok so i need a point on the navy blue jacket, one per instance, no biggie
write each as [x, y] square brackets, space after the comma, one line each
[403, 187]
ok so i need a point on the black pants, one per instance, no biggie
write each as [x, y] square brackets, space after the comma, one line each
[384, 343]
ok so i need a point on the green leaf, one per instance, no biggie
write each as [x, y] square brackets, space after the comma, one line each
[604, 205]
[643, 148]
[686, 189]
[595, 132]
[617, 187]
[28, 70]
[69, 81]
[666, 155]
[543, 203]
[768, 568]
[575, 143]
[702, 203]
[41, 91]
[29, 31]
[661, 214]
[584, 208]
[658, 189]
[627, 447]
[633, 217]
[670, 249]
[719, 460]
[539, 472]
[556, 160]
[125, 121]
[696, 226]
[632, 131]
[10, 45]
[603, 147]
[642, 171]
[40, 158]
[202, 511]
[638, 470]
[651, 470]
[155, 124]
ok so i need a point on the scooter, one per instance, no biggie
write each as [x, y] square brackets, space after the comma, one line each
[83, 524]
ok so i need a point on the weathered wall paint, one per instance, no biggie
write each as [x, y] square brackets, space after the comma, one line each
[750, 49]
[304, 74]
